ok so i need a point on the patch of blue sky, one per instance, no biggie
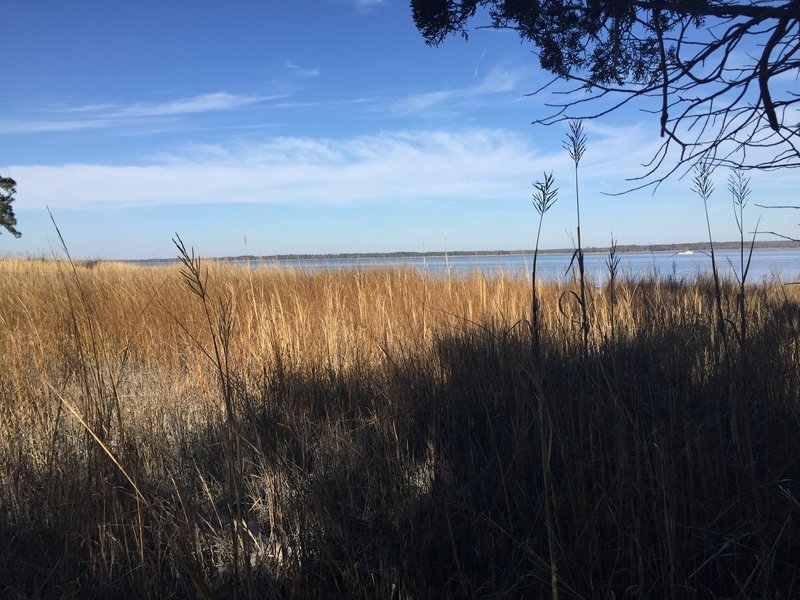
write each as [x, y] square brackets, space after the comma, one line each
[310, 126]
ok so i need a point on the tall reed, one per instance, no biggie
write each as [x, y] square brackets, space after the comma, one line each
[739, 187]
[612, 264]
[545, 195]
[575, 145]
[703, 186]
[220, 330]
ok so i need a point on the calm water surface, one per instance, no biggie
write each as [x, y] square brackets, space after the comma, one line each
[783, 264]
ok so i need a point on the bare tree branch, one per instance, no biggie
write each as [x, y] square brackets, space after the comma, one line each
[714, 71]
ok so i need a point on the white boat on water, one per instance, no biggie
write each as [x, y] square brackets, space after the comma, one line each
[685, 252]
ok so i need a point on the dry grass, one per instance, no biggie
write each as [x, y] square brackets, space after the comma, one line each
[383, 434]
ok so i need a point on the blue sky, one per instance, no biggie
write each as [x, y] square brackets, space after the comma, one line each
[311, 126]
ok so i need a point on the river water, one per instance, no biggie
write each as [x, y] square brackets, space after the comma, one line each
[768, 263]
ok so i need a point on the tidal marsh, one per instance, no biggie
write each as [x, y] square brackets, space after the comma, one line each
[386, 434]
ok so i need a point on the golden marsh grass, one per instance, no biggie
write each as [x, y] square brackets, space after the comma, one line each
[381, 433]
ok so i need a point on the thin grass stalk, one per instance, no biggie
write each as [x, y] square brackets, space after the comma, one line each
[92, 372]
[612, 262]
[739, 186]
[704, 187]
[99, 415]
[140, 498]
[544, 197]
[195, 279]
[575, 144]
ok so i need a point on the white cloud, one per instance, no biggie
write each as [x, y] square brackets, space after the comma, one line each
[106, 115]
[417, 103]
[499, 80]
[217, 101]
[386, 167]
[308, 72]
[51, 126]
[360, 6]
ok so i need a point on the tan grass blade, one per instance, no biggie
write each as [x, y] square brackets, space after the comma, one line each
[77, 415]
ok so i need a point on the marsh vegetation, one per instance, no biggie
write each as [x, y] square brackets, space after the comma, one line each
[274, 433]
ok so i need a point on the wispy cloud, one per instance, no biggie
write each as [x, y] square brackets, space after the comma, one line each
[367, 4]
[501, 84]
[94, 116]
[359, 6]
[499, 80]
[51, 126]
[469, 167]
[213, 102]
[387, 167]
[309, 72]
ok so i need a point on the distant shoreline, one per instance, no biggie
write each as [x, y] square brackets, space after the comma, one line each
[676, 248]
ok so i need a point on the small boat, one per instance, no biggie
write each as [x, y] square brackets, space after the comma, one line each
[685, 252]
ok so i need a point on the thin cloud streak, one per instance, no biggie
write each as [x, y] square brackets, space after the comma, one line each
[217, 101]
[499, 80]
[497, 83]
[108, 115]
[309, 72]
[366, 5]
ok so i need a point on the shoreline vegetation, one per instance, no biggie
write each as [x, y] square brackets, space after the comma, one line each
[693, 246]
[200, 430]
